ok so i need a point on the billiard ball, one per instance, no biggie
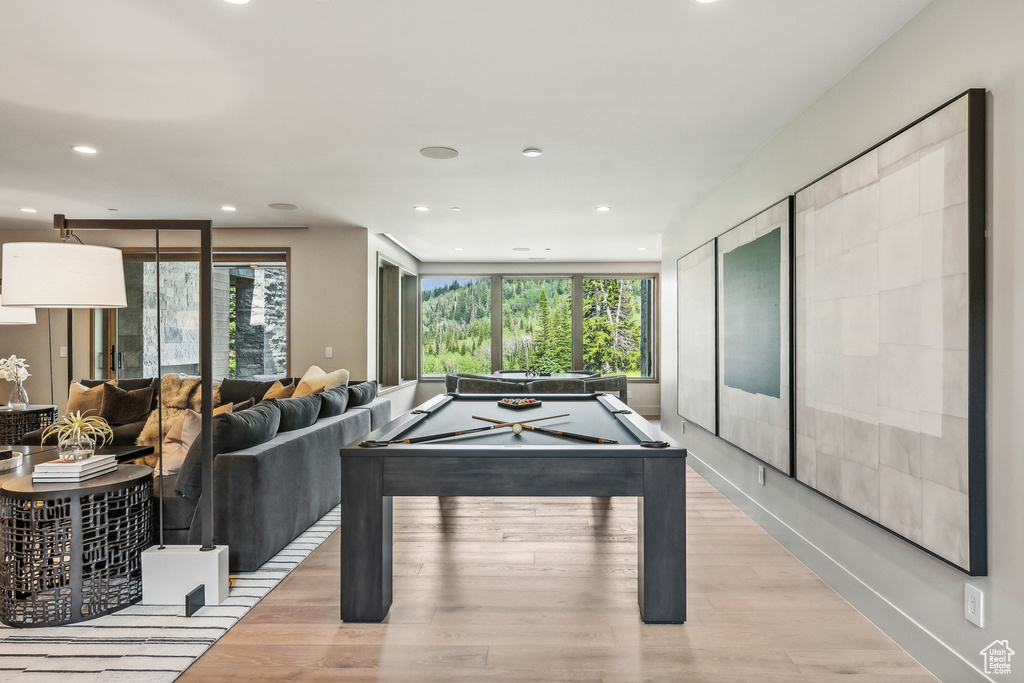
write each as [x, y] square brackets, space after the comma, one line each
[517, 428]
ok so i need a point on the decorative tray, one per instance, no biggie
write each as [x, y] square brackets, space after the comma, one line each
[520, 403]
[9, 460]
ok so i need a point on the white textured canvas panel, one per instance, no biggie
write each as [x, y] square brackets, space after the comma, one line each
[696, 336]
[756, 422]
[882, 322]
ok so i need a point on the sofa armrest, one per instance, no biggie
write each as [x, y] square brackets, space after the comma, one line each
[379, 410]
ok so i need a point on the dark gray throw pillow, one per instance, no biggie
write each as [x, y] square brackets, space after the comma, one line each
[231, 432]
[361, 393]
[333, 402]
[238, 390]
[121, 407]
[298, 412]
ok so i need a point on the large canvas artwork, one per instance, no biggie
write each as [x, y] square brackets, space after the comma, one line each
[890, 334]
[696, 337]
[754, 336]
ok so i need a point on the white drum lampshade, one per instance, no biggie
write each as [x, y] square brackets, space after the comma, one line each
[16, 316]
[62, 275]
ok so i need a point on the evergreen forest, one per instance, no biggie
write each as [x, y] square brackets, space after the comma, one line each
[536, 325]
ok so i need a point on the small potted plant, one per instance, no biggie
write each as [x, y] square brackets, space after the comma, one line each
[15, 370]
[77, 435]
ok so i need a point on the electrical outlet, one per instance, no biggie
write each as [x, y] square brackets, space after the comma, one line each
[682, 427]
[63, 352]
[328, 352]
[973, 604]
[629, 393]
[760, 475]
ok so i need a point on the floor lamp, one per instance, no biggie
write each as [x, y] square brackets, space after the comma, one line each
[69, 274]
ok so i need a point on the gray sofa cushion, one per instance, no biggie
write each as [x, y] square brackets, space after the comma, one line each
[296, 413]
[361, 393]
[231, 432]
[333, 402]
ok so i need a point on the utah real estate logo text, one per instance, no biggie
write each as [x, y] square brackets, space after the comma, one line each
[997, 657]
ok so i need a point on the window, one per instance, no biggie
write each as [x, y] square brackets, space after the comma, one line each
[598, 323]
[250, 316]
[536, 324]
[456, 325]
[617, 326]
[396, 324]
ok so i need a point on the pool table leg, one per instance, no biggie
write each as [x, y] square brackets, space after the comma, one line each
[661, 551]
[366, 540]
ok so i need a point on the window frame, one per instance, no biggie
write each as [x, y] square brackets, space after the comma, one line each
[576, 313]
[398, 355]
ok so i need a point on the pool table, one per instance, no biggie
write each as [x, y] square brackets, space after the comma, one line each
[391, 461]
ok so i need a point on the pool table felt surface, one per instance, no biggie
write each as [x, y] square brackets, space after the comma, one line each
[587, 414]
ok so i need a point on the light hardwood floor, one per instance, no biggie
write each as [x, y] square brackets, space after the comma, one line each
[544, 589]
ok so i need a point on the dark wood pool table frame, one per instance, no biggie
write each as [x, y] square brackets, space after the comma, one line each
[370, 477]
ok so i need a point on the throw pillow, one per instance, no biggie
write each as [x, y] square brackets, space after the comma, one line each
[85, 399]
[129, 384]
[333, 402]
[178, 393]
[179, 440]
[361, 393]
[244, 405]
[297, 412]
[231, 432]
[238, 390]
[121, 407]
[315, 378]
[278, 390]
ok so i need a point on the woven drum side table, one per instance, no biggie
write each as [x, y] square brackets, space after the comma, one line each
[16, 423]
[72, 552]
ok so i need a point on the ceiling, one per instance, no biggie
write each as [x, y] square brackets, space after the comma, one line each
[641, 106]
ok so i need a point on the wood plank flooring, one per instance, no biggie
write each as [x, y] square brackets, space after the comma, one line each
[544, 589]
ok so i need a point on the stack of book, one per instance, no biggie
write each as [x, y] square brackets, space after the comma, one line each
[57, 471]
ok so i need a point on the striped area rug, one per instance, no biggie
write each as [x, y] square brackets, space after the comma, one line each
[146, 643]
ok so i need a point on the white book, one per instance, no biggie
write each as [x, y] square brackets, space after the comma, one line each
[93, 463]
[58, 477]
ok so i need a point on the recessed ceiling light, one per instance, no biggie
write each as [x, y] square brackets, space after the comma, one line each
[84, 149]
[520, 249]
[238, 2]
[602, 209]
[706, 2]
[422, 208]
[532, 152]
[27, 210]
[537, 258]
[641, 248]
[280, 206]
[456, 208]
[458, 248]
[227, 208]
[439, 152]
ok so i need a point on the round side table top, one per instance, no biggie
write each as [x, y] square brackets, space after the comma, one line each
[24, 487]
[30, 408]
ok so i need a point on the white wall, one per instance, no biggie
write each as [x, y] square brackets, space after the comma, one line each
[951, 46]
[645, 397]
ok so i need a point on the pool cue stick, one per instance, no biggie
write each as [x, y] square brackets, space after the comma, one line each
[522, 422]
[546, 430]
[445, 435]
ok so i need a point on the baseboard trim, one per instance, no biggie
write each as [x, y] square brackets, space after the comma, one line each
[930, 651]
